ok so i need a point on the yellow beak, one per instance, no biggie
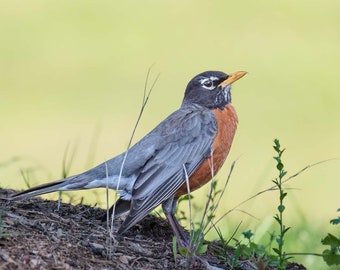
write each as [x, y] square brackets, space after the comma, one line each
[233, 78]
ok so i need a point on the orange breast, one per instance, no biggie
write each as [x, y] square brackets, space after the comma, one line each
[226, 128]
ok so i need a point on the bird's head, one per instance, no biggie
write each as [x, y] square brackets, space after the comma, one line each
[211, 89]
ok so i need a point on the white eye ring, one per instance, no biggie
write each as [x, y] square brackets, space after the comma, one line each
[207, 84]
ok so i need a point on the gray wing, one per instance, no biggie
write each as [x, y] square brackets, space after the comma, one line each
[187, 138]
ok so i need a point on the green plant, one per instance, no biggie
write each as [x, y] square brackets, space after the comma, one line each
[282, 258]
[331, 255]
[251, 251]
[221, 251]
[256, 252]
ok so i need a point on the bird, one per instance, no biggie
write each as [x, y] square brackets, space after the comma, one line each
[189, 146]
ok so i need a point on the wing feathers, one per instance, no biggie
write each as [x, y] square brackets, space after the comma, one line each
[186, 144]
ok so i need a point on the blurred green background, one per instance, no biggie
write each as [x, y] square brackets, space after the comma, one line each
[72, 75]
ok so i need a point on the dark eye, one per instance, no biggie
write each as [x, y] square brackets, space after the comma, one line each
[208, 84]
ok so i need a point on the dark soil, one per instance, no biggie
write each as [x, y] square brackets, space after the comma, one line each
[35, 235]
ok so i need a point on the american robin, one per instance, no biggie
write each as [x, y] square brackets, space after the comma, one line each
[192, 143]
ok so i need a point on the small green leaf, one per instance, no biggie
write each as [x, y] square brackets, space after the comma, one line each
[281, 152]
[286, 229]
[277, 159]
[277, 149]
[331, 240]
[276, 217]
[201, 249]
[282, 174]
[276, 251]
[247, 234]
[183, 251]
[330, 258]
[279, 166]
[283, 195]
[335, 221]
[281, 208]
[218, 192]
[185, 197]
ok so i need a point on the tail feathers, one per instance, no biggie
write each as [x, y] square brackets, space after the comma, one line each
[41, 189]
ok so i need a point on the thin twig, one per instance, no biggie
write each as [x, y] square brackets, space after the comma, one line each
[190, 207]
[144, 102]
[227, 181]
[309, 166]
[303, 254]
[211, 164]
[223, 190]
[271, 188]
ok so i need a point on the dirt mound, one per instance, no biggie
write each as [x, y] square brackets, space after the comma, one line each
[35, 235]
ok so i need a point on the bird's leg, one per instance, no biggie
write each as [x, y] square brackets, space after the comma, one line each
[169, 208]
